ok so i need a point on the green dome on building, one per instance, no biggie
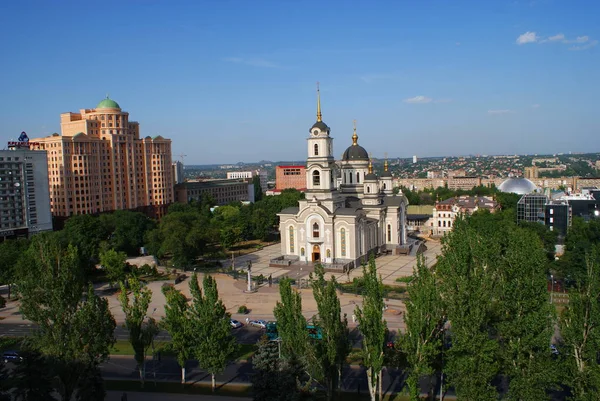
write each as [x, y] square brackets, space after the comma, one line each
[108, 104]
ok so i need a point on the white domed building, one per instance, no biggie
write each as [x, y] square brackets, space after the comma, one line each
[518, 185]
[340, 228]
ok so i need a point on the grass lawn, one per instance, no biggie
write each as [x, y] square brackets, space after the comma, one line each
[231, 390]
[123, 347]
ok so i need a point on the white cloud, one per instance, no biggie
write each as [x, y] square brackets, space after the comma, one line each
[557, 37]
[527, 37]
[501, 111]
[255, 62]
[418, 99]
[586, 46]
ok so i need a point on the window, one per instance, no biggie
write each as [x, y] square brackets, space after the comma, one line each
[329, 253]
[316, 230]
[316, 149]
[291, 239]
[316, 178]
[369, 190]
[358, 178]
[384, 186]
[343, 241]
[301, 251]
[389, 232]
[551, 211]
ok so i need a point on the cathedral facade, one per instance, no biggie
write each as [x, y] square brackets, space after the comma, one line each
[340, 227]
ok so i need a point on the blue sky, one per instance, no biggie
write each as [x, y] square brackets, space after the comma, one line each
[232, 81]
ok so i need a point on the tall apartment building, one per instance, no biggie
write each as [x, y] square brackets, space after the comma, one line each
[178, 172]
[24, 195]
[100, 163]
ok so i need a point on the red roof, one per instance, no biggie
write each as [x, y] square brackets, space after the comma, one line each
[291, 166]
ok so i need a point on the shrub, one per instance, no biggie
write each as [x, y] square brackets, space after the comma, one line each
[243, 310]
[406, 279]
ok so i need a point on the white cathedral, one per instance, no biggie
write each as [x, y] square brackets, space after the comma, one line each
[341, 227]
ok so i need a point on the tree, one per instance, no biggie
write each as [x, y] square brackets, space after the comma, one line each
[114, 264]
[331, 352]
[258, 190]
[291, 324]
[142, 329]
[73, 331]
[85, 232]
[127, 230]
[10, 253]
[372, 326]
[177, 323]
[525, 320]
[214, 344]
[272, 374]
[30, 380]
[467, 282]
[424, 318]
[580, 330]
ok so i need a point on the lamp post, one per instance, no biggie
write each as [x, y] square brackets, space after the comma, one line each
[551, 287]
[249, 276]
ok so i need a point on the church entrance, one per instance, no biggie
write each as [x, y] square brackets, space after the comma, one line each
[316, 253]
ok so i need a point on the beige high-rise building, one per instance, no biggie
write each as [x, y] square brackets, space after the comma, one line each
[99, 163]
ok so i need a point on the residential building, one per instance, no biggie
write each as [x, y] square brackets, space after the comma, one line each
[463, 182]
[24, 193]
[262, 174]
[178, 172]
[446, 211]
[419, 217]
[222, 191]
[557, 216]
[290, 177]
[99, 163]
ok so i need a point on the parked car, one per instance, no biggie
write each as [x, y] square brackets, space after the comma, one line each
[235, 324]
[258, 323]
[11, 356]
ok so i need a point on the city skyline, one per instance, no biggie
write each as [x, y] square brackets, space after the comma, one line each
[232, 81]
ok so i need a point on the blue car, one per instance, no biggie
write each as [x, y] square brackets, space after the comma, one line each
[11, 356]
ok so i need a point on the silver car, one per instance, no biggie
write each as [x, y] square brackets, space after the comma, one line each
[258, 323]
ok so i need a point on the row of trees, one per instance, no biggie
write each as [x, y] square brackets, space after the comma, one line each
[75, 328]
[190, 231]
[484, 314]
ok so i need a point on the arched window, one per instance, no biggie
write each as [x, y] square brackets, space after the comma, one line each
[329, 253]
[291, 239]
[358, 178]
[384, 186]
[316, 178]
[444, 223]
[301, 251]
[368, 189]
[316, 230]
[316, 149]
[389, 232]
[439, 223]
[350, 175]
[343, 241]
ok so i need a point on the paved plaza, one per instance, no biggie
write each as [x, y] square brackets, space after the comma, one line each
[262, 302]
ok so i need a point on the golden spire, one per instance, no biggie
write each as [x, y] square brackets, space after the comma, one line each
[385, 164]
[370, 164]
[354, 136]
[319, 116]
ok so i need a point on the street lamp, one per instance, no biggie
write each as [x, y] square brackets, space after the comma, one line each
[551, 287]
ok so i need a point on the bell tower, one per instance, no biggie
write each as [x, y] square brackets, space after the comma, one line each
[320, 164]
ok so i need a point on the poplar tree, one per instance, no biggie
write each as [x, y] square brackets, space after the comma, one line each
[580, 330]
[142, 329]
[469, 288]
[372, 326]
[291, 324]
[330, 352]
[421, 344]
[214, 345]
[177, 323]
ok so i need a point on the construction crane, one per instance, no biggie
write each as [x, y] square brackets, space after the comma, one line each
[181, 156]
